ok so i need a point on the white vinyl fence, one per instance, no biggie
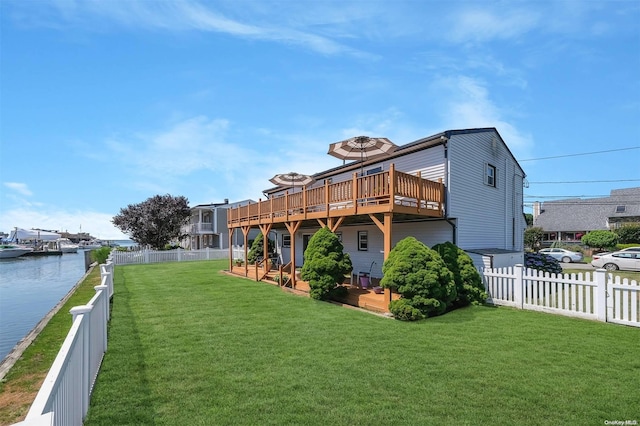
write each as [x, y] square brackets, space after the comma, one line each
[597, 296]
[64, 396]
[177, 255]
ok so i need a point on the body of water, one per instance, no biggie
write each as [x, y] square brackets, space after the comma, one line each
[30, 287]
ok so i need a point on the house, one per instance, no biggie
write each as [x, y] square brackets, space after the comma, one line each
[207, 227]
[463, 186]
[569, 219]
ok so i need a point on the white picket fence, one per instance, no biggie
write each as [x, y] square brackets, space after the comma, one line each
[599, 296]
[177, 255]
[64, 396]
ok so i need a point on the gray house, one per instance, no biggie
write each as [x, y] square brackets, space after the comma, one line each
[207, 226]
[478, 204]
[568, 220]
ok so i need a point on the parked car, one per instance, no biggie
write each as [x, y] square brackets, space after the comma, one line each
[562, 255]
[633, 249]
[623, 260]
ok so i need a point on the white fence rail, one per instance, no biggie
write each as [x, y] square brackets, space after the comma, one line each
[64, 396]
[595, 296]
[177, 255]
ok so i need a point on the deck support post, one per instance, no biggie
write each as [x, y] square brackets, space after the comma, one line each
[265, 229]
[293, 227]
[245, 233]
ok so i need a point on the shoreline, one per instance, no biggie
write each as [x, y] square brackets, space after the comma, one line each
[14, 355]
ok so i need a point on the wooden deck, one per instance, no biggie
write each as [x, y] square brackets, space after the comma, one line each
[389, 191]
[357, 296]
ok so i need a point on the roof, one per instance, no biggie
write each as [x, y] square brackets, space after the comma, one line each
[225, 204]
[577, 214]
[418, 145]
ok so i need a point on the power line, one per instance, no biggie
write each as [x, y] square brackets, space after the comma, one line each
[584, 153]
[590, 181]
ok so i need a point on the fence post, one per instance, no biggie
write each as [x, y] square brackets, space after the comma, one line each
[146, 255]
[105, 318]
[179, 254]
[601, 289]
[85, 311]
[518, 283]
[208, 254]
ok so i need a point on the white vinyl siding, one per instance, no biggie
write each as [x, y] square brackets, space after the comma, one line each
[486, 215]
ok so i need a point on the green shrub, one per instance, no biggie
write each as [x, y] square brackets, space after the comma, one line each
[468, 281]
[257, 248]
[100, 255]
[533, 237]
[600, 239]
[542, 262]
[629, 234]
[402, 310]
[325, 264]
[420, 276]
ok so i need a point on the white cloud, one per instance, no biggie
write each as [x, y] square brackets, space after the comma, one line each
[20, 188]
[475, 25]
[468, 105]
[185, 15]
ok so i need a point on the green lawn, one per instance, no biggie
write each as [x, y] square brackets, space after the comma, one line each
[191, 346]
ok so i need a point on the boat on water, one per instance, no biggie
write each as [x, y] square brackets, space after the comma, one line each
[65, 245]
[90, 245]
[9, 251]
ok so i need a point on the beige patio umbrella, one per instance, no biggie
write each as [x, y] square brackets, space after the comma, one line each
[292, 179]
[361, 147]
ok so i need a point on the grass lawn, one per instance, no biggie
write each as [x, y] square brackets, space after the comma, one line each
[189, 345]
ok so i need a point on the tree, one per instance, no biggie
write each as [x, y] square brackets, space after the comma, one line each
[600, 239]
[156, 221]
[422, 278]
[469, 287]
[629, 234]
[529, 218]
[533, 237]
[325, 264]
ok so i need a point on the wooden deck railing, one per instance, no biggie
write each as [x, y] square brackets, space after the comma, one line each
[388, 191]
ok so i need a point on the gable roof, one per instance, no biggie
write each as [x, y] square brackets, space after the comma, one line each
[577, 214]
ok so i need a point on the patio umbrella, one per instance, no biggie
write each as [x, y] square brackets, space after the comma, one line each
[292, 179]
[361, 147]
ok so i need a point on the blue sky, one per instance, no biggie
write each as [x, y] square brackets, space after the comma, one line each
[107, 103]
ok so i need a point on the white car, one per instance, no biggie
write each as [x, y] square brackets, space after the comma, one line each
[562, 255]
[633, 249]
[623, 260]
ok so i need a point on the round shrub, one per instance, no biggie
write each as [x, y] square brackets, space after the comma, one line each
[420, 275]
[325, 264]
[467, 278]
[257, 248]
[542, 262]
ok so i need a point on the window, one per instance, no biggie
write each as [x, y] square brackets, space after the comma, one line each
[286, 240]
[490, 175]
[621, 209]
[363, 241]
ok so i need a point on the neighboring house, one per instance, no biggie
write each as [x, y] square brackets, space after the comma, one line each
[463, 186]
[207, 227]
[568, 220]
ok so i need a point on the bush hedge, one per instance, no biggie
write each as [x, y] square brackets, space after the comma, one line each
[542, 262]
[325, 264]
[421, 277]
[469, 286]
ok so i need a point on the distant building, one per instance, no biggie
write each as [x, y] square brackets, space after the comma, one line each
[568, 220]
[207, 226]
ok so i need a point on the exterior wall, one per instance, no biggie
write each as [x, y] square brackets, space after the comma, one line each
[487, 216]
[429, 232]
[497, 260]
